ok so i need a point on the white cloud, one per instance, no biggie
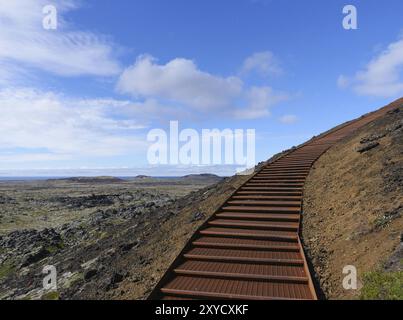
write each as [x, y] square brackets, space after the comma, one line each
[343, 81]
[382, 76]
[264, 63]
[260, 99]
[178, 80]
[289, 119]
[65, 51]
[182, 86]
[39, 126]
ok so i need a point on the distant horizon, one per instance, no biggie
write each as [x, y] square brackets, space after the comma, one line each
[152, 171]
[46, 178]
[49, 176]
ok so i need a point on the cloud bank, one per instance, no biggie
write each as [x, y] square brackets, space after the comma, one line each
[65, 51]
[382, 77]
[180, 82]
[48, 126]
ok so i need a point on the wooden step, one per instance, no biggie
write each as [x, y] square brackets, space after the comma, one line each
[242, 255]
[291, 167]
[292, 163]
[260, 216]
[280, 183]
[271, 209]
[253, 224]
[250, 233]
[244, 243]
[274, 187]
[278, 203]
[290, 190]
[297, 158]
[241, 276]
[270, 193]
[283, 171]
[263, 197]
[219, 258]
[205, 295]
[280, 172]
[277, 180]
[261, 176]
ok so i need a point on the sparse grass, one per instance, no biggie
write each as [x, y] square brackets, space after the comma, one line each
[39, 213]
[74, 279]
[383, 221]
[6, 269]
[52, 249]
[55, 248]
[52, 295]
[101, 235]
[380, 285]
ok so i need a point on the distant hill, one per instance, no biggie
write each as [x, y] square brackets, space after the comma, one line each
[142, 177]
[204, 177]
[103, 179]
[201, 177]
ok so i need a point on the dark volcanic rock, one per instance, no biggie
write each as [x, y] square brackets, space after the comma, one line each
[150, 204]
[367, 147]
[371, 138]
[5, 199]
[41, 254]
[90, 274]
[86, 201]
[198, 216]
[395, 262]
[128, 246]
[96, 252]
[27, 240]
[115, 279]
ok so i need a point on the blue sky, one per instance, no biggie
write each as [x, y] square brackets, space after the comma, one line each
[82, 98]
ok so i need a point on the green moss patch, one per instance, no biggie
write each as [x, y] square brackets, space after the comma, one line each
[383, 286]
[52, 295]
[6, 270]
[55, 248]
